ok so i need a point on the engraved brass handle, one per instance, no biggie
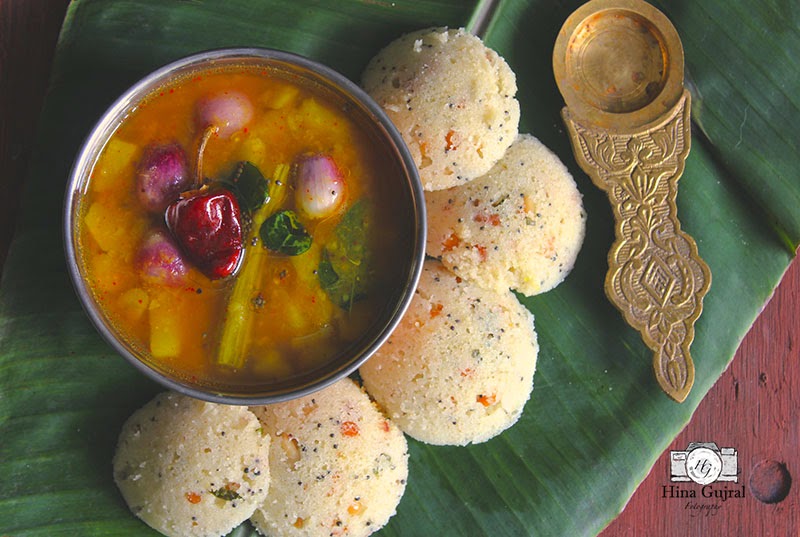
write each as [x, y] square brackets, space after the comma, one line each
[619, 67]
[656, 276]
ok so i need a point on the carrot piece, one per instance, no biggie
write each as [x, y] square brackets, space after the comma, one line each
[487, 400]
[349, 428]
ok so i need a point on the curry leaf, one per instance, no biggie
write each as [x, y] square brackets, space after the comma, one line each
[345, 270]
[249, 186]
[283, 233]
[226, 493]
[327, 276]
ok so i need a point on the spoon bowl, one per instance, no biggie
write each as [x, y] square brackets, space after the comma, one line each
[619, 63]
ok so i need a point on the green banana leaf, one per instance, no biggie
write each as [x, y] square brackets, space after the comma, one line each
[597, 421]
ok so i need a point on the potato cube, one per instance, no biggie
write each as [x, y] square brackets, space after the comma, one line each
[164, 331]
[134, 303]
[118, 155]
[102, 222]
[281, 97]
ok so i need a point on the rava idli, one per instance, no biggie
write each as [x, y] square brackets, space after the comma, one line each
[459, 367]
[452, 99]
[191, 468]
[520, 226]
[339, 467]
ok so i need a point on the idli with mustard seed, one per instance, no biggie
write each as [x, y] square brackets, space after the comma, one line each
[339, 466]
[459, 367]
[451, 97]
[191, 468]
[520, 226]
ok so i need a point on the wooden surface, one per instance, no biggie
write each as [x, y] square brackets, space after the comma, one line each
[754, 407]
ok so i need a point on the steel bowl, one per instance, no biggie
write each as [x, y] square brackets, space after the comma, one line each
[358, 104]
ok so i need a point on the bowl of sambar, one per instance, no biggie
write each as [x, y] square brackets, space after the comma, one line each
[244, 226]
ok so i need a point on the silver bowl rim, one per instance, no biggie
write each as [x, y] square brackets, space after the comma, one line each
[108, 123]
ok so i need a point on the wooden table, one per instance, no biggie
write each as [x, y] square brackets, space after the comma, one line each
[752, 408]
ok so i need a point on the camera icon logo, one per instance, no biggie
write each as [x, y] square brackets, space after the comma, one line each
[704, 463]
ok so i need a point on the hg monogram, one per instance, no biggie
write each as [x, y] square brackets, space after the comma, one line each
[704, 463]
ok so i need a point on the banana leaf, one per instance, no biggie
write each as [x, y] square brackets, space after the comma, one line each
[596, 422]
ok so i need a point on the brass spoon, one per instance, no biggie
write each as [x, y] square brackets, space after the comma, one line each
[619, 67]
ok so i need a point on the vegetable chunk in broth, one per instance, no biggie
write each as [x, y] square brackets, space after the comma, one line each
[243, 227]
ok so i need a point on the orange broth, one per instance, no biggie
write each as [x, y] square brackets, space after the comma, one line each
[294, 326]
